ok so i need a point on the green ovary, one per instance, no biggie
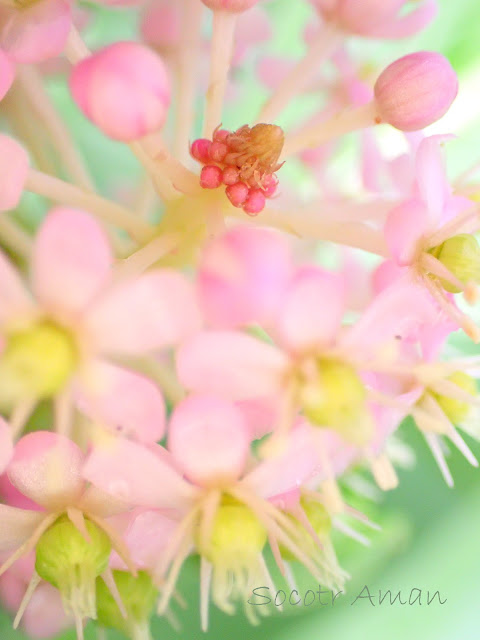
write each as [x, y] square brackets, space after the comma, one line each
[138, 594]
[336, 398]
[71, 563]
[457, 410]
[321, 523]
[461, 256]
[37, 362]
[236, 536]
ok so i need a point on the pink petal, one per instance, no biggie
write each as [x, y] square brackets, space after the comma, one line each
[397, 313]
[261, 414]
[431, 174]
[71, 260]
[409, 24]
[287, 471]
[233, 365]
[147, 536]
[16, 526]
[46, 468]
[7, 74]
[242, 277]
[134, 474]
[406, 225]
[153, 311]
[6, 445]
[312, 309]
[45, 616]
[14, 165]
[124, 401]
[37, 32]
[209, 439]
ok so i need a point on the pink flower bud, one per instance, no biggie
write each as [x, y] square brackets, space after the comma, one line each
[200, 150]
[415, 90]
[211, 177]
[255, 202]
[237, 193]
[217, 151]
[14, 166]
[230, 175]
[234, 6]
[221, 135]
[161, 24]
[124, 89]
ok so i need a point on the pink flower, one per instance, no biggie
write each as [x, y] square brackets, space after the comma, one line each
[14, 165]
[208, 477]
[46, 468]
[87, 319]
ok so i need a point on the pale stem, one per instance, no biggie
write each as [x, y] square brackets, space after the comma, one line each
[187, 77]
[309, 224]
[33, 584]
[205, 580]
[146, 197]
[220, 59]
[72, 196]
[298, 78]
[158, 160]
[63, 413]
[344, 122]
[20, 416]
[75, 49]
[145, 257]
[45, 113]
[161, 182]
[14, 237]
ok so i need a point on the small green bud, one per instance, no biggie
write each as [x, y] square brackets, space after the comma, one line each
[71, 563]
[461, 256]
[236, 536]
[138, 594]
[336, 398]
[37, 362]
[457, 410]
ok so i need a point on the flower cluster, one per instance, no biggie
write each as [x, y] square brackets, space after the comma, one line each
[207, 379]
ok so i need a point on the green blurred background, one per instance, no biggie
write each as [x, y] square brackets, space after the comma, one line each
[429, 537]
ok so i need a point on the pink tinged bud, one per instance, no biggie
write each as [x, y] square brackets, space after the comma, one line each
[230, 175]
[13, 172]
[35, 33]
[270, 185]
[237, 193]
[124, 89]
[209, 439]
[7, 73]
[217, 151]
[415, 91]
[234, 6]
[161, 24]
[220, 135]
[210, 177]
[255, 202]
[200, 150]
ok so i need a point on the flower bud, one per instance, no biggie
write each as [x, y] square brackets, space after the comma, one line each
[457, 410]
[461, 256]
[138, 595]
[65, 559]
[234, 6]
[415, 91]
[124, 89]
